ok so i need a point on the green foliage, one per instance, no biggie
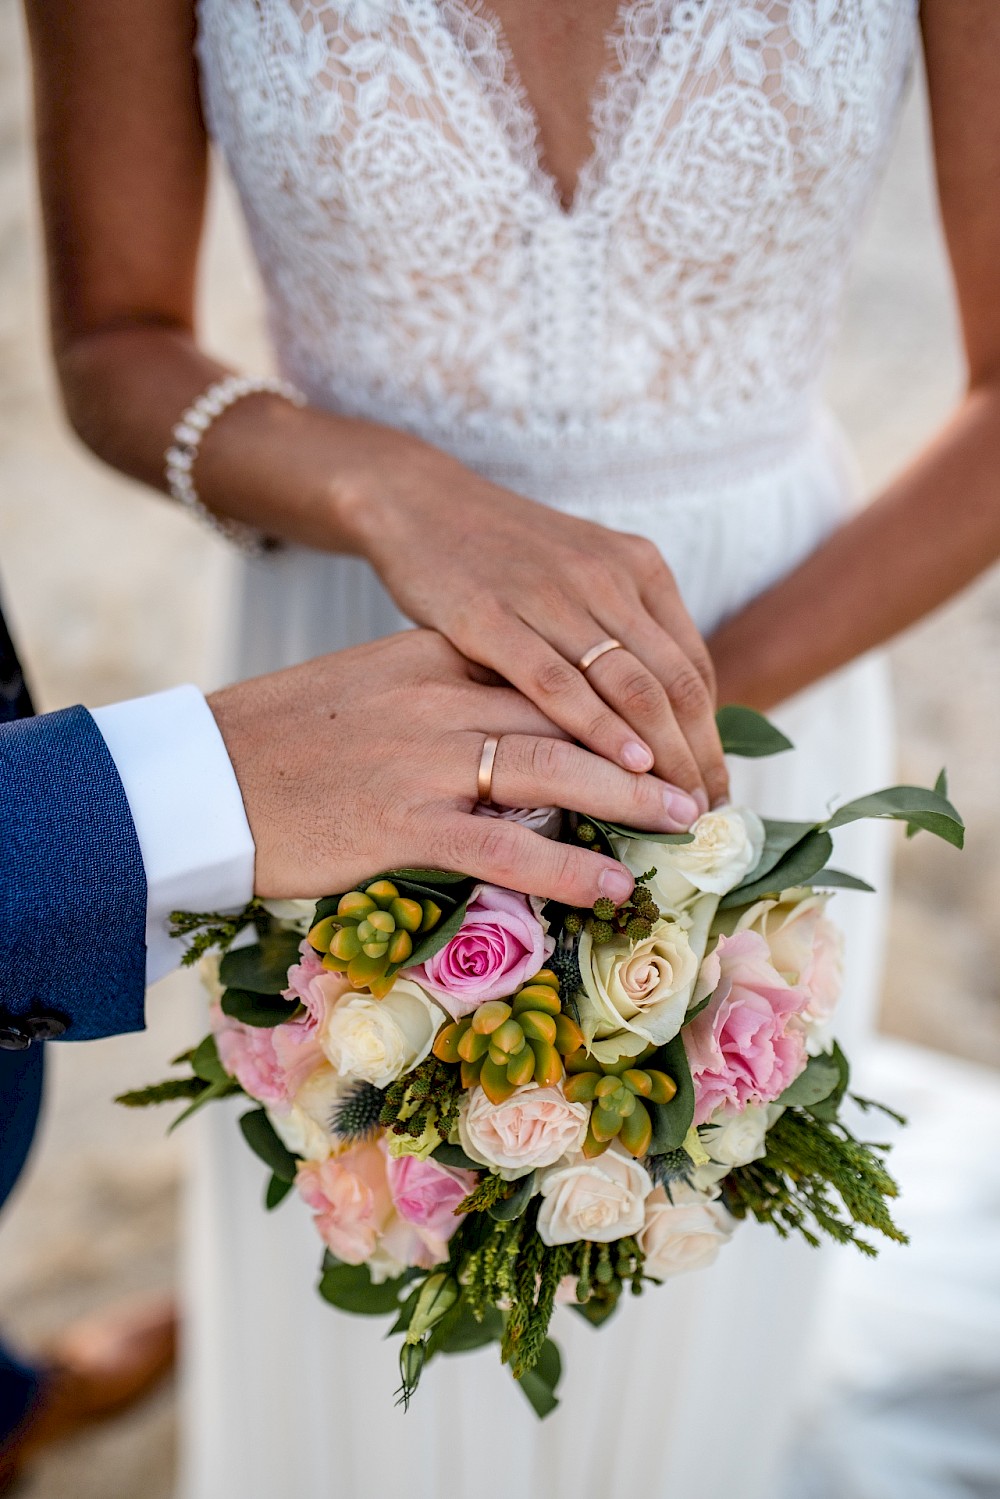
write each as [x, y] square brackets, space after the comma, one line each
[838, 879]
[798, 866]
[259, 1133]
[210, 929]
[671, 1121]
[816, 1178]
[277, 1190]
[256, 1008]
[426, 1098]
[350, 1288]
[749, 734]
[487, 1192]
[454, 1155]
[539, 1382]
[619, 830]
[263, 967]
[166, 1092]
[815, 1083]
[918, 807]
[505, 1209]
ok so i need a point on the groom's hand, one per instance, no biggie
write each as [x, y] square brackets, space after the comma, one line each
[367, 760]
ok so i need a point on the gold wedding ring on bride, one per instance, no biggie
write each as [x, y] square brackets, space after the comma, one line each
[487, 760]
[597, 651]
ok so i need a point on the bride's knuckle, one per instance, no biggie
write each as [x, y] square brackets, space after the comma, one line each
[547, 761]
[688, 693]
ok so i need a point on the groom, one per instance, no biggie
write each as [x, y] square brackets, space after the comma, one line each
[297, 783]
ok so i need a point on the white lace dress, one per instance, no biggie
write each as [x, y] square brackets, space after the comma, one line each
[649, 358]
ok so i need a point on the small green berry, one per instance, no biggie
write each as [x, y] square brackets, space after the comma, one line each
[638, 928]
[586, 832]
[573, 923]
[601, 931]
[605, 909]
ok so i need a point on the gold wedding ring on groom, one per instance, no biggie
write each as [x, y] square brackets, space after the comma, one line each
[597, 651]
[487, 759]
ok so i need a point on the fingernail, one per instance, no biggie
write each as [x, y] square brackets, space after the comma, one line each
[616, 884]
[681, 807]
[636, 756]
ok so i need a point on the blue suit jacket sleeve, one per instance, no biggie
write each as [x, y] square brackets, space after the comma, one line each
[72, 885]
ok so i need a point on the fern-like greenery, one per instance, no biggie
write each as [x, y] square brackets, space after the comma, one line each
[816, 1178]
[212, 929]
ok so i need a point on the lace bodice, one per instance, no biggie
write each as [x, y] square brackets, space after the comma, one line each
[421, 269]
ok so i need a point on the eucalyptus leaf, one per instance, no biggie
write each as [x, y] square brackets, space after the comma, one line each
[257, 1009]
[431, 877]
[917, 806]
[597, 1310]
[459, 1332]
[259, 1133]
[828, 1108]
[816, 1082]
[264, 966]
[618, 830]
[539, 1383]
[350, 1288]
[512, 1207]
[277, 1190]
[747, 733]
[941, 787]
[671, 1121]
[205, 1062]
[454, 1155]
[839, 879]
[779, 840]
[439, 937]
[799, 867]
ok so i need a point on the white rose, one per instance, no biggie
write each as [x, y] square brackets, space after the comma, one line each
[304, 1128]
[377, 1040]
[602, 1200]
[294, 913]
[671, 890]
[727, 845]
[685, 1234]
[534, 1127]
[734, 1139]
[642, 988]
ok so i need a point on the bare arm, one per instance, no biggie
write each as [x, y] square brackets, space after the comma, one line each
[518, 587]
[937, 526]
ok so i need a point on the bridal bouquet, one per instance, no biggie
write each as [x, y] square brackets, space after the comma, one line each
[492, 1104]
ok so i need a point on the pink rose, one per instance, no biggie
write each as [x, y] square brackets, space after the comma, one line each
[247, 1053]
[823, 975]
[749, 1043]
[805, 946]
[426, 1194]
[500, 945]
[349, 1196]
[355, 1215]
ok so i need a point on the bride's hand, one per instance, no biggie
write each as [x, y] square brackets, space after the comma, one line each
[527, 591]
[368, 760]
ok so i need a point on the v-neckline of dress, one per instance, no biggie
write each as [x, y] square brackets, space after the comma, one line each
[612, 102]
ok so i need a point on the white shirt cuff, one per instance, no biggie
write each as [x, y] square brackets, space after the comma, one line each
[196, 844]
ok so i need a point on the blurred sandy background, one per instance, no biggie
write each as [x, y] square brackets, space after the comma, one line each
[111, 594]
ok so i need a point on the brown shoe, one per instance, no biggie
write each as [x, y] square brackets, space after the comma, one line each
[97, 1368]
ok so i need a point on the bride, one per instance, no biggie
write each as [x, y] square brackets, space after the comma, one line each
[552, 286]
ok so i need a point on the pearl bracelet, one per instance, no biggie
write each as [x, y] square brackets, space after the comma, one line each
[187, 436]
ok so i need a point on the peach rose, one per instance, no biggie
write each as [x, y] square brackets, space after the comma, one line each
[602, 1200]
[683, 1234]
[534, 1127]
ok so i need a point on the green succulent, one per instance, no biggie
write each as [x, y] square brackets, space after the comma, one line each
[503, 1046]
[619, 1092]
[371, 934]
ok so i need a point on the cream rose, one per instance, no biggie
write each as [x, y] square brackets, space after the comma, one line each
[534, 1127]
[727, 845]
[304, 1127]
[378, 1040]
[294, 913]
[733, 1138]
[684, 1234]
[602, 1200]
[636, 994]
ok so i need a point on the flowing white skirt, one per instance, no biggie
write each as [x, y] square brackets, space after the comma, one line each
[690, 1392]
